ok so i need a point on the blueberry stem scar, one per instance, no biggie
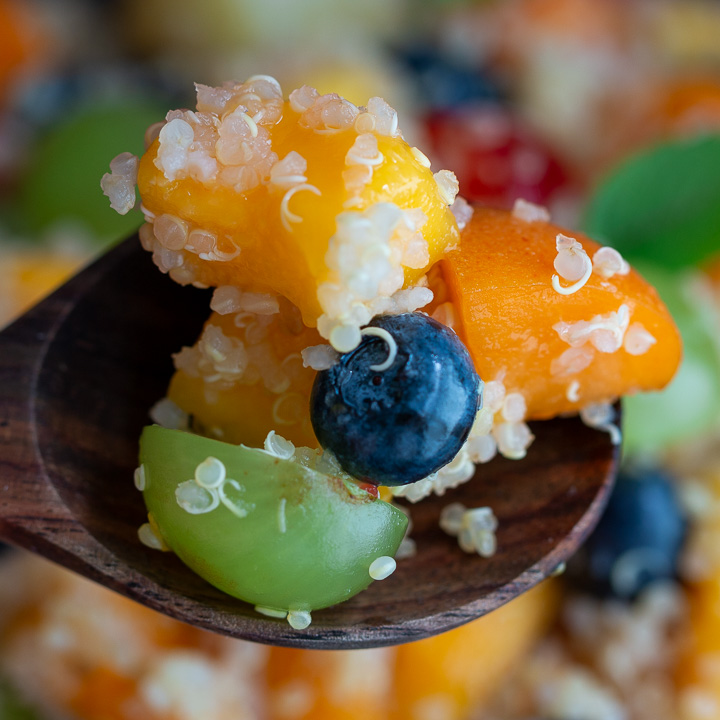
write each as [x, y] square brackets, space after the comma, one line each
[392, 346]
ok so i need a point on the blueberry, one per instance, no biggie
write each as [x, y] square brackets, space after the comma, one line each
[397, 425]
[444, 82]
[638, 539]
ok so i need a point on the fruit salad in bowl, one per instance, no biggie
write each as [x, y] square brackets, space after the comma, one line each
[373, 338]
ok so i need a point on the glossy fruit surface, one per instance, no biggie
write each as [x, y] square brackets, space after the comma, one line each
[499, 280]
[289, 258]
[396, 425]
[296, 539]
[638, 539]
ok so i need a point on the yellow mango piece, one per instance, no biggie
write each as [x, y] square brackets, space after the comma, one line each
[329, 684]
[274, 232]
[272, 393]
[457, 672]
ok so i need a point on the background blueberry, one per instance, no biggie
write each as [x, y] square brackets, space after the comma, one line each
[638, 539]
[398, 425]
[441, 81]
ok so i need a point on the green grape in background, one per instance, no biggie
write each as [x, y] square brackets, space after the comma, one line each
[61, 185]
[11, 706]
[662, 205]
[690, 405]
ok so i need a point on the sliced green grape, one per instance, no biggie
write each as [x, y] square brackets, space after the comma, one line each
[62, 182]
[264, 529]
[691, 402]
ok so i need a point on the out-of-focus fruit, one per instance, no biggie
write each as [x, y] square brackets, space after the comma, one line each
[689, 106]
[495, 157]
[21, 40]
[638, 539]
[60, 188]
[690, 404]
[441, 82]
[663, 205]
[28, 274]
[461, 669]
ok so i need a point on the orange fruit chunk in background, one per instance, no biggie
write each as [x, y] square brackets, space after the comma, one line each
[29, 275]
[499, 279]
[23, 40]
[461, 669]
[455, 672]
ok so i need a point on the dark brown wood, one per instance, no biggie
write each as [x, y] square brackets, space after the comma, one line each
[77, 376]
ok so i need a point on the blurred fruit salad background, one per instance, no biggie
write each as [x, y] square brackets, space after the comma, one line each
[607, 112]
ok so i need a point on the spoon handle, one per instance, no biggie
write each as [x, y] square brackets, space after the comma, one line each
[32, 514]
[29, 507]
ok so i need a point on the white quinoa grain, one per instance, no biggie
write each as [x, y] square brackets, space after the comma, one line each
[194, 499]
[299, 619]
[638, 340]
[530, 212]
[210, 473]
[139, 478]
[382, 567]
[147, 537]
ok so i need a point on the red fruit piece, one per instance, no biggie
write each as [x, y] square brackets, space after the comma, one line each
[496, 158]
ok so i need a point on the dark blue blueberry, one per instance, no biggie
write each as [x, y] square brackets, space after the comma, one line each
[442, 82]
[398, 425]
[638, 539]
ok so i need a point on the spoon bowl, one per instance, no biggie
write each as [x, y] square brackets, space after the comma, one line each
[78, 374]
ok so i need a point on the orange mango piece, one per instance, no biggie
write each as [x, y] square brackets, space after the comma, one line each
[239, 412]
[329, 684]
[23, 41]
[511, 318]
[452, 674]
[105, 694]
[283, 235]
[690, 106]
[28, 276]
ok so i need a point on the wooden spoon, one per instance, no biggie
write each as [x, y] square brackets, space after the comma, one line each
[77, 376]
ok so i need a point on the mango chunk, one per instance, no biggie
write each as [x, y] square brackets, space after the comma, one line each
[276, 201]
[462, 668]
[243, 379]
[611, 337]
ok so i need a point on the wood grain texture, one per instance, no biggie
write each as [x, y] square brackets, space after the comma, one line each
[78, 374]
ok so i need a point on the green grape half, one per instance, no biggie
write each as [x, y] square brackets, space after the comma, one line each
[272, 532]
